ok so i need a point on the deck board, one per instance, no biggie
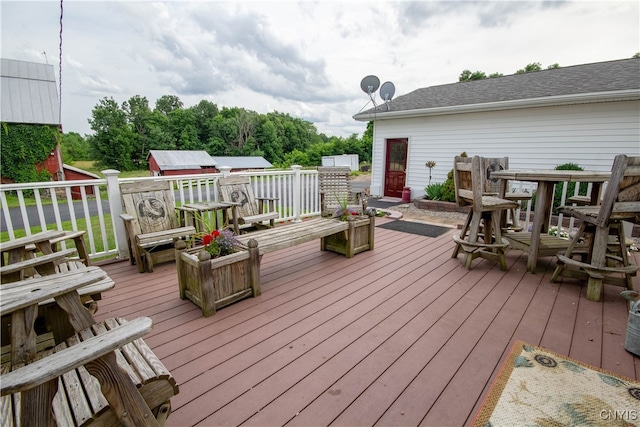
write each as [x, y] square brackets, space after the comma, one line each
[398, 335]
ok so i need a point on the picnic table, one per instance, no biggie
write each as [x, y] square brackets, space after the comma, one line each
[37, 380]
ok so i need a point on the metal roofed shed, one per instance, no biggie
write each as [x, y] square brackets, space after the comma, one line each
[180, 162]
[185, 162]
[29, 93]
[238, 163]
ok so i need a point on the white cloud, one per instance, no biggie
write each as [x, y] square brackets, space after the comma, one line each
[302, 58]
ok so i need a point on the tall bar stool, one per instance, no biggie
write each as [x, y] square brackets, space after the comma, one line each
[606, 260]
[481, 234]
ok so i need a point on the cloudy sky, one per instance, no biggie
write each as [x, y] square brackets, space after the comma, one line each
[303, 58]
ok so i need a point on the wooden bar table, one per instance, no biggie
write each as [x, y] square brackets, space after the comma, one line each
[538, 242]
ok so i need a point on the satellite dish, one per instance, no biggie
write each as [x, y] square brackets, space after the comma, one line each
[387, 91]
[370, 84]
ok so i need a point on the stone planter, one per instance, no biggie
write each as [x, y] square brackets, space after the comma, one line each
[359, 237]
[214, 283]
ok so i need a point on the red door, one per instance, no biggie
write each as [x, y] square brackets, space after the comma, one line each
[394, 178]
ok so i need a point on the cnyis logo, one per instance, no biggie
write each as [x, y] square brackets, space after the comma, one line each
[152, 212]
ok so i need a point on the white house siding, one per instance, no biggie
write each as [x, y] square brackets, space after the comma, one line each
[589, 135]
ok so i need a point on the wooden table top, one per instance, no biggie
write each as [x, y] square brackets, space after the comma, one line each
[30, 240]
[553, 175]
[21, 294]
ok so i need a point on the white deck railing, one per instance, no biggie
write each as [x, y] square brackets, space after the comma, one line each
[97, 204]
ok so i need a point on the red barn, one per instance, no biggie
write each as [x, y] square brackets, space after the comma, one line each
[177, 162]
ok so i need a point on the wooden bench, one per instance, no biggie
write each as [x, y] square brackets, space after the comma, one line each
[104, 375]
[358, 233]
[215, 283]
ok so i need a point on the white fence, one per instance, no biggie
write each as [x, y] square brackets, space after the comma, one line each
[97, 204]
[531, 187]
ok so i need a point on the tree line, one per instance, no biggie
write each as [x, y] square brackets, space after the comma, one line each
[124, 134]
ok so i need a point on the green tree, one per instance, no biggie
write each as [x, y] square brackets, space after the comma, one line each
[204, 112]
[270, 144]
[138, 116]
[74, 147]
[113, 142]
[295, 157]
[467, 76]
[168, 103]
[534, 66]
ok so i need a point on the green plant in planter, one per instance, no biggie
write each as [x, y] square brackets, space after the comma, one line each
[434, 191]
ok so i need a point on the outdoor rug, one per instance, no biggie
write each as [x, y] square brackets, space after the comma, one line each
[415, 228]
[536, 387]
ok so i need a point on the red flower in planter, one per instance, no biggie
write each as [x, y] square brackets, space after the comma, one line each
[217, 243]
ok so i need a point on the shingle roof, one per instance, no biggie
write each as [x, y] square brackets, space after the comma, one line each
[29, 93]
[178, 160]
[601, 77]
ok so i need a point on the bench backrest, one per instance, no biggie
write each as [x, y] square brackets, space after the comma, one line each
[152, 204]
[335, 188]
[623, 190]
[492, 164]
[238, 189]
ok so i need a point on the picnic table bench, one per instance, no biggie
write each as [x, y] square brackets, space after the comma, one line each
[104, 374]
[38, 256]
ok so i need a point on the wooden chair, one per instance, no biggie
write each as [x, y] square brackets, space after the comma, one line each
[483, 222]
[251, 213]
[492, 187]
[151, 222]
[606, 260]
[335, 190]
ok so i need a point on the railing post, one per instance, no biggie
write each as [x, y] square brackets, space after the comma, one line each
[297, 193]
[115, 207]
[225, 170]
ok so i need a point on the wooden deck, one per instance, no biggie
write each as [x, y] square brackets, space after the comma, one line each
[401, 335]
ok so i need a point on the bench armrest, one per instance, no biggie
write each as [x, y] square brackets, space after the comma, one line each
[56, 364]
[127, 217]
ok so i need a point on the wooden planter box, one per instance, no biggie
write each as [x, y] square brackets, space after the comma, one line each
[214, 283]
[359, 237]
